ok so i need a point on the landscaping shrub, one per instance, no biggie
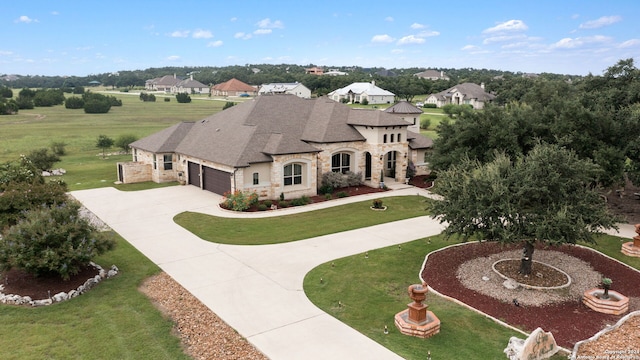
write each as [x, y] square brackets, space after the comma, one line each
[167, 99]
[183, 98]
[334, 179]
[365, 101]
[283, 204]
[58, 148]
[411, 169]
[8, 107]
[228, 104]
[240, 200]
[425, 123]
[297, 202]
[95, 106]
[21, 196]
[49, 97]
[354, 179]
[262, 207]
[147, 97]
[342, 194]
[328, 196]
[325, 189]
[52, 241]
[123, 141]
[74, 102]
[24, 102]
[42, 159]
[377, 204]
[267, 203]
[430, 106]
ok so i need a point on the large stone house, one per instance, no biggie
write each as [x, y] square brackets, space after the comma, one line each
[466, 93]
[432, 75]
[359, 91]
[233, 87]
[175, 85]
[276, 144]
[295, 88]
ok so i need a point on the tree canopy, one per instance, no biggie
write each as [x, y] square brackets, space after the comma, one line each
[546, 196]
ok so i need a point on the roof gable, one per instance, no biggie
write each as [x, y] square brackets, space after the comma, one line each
[233, 85]
[403, 107]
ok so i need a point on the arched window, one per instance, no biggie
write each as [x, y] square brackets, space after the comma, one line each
[391, 138]
[341, 162]
[399, 137]
[293, 174]
[384, 138]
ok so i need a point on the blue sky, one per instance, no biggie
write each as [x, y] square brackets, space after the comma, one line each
[66, 37]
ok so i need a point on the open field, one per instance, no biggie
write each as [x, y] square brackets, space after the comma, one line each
[39, 127]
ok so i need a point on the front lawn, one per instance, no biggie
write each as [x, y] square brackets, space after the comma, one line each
[281, 229]
[112, 321]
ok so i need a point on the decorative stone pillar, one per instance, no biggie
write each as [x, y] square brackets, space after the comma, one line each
[416, 320]
[633, 248]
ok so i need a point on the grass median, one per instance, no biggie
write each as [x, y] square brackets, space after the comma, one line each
[281, 229]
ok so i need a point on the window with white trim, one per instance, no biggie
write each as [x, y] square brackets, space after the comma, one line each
[293, 174]
[341, 162]
[256, 178]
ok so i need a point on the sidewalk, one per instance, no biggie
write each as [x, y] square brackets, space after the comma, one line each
[255, 289]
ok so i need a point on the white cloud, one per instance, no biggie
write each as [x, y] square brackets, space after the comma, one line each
[217, 43]
[601, 22]
[389, 19]
[202, 34]
[243, 36]
[511, 25]
[173, 58]
[502, 38]
[268, 24]
[25, 19]
[411, 39]
[263, 31]
[397, 51]
[55, 13]
[630, 43]
[5, 53]
[429, 33]
[382, 39]
[572, 43]
[180, 33]
[470, 48]
[417, 26]
[233, 19]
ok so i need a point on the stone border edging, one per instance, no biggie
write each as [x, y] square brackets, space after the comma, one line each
[595, 337]
[498, 321]
[13, 299]
[531, 287]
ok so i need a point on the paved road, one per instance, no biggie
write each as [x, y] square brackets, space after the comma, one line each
[255, 289]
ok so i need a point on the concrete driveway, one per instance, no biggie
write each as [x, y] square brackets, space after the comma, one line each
[255, 289]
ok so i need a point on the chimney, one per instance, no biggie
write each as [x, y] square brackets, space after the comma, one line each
[441, 73]
[174, 75]
[373, 82]
[191, 76]
[482, 86]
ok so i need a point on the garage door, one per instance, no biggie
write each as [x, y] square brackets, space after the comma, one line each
[216, 181]
[194, 173]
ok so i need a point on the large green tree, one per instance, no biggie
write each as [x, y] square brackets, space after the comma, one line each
[546, 196]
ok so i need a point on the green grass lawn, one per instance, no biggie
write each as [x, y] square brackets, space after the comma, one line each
[112, 321]
[38, 128]
[280, 229]
[372, 290]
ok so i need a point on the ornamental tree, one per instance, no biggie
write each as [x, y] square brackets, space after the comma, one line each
[546, 196]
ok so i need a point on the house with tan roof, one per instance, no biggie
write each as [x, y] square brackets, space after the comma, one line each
[359, 91]
[466, 93]
[276, 144]
[233, 87]
[432, 75]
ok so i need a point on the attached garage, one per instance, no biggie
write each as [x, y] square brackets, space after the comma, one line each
[194, 173]
[216, 181]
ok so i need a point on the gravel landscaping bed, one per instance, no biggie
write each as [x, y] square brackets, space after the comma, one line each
[570, 321]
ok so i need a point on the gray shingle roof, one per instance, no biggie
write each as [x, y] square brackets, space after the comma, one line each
[267, 125]
[403, 107]
[417, 141]
[469, 90]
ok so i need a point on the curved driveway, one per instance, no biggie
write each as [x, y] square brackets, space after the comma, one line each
[255, 289]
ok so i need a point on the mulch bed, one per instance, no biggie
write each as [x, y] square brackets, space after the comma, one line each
[569, 322]
[18, 282]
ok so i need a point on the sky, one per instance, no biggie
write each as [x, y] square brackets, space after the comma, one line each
[80, 38]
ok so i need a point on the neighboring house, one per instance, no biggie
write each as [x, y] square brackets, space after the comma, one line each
[432, 75]
[357, 92]
[334, 72]
[275, 145]
[466, 93]
[314, 71]
[190, 86]
[164, 83]
[420, 146]
[296, 89]
[233, 87]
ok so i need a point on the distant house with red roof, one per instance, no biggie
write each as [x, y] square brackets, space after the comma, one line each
[233, 87]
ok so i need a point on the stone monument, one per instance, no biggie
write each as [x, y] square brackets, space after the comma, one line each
[416, 320]
[539, 345]
[632, 248]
